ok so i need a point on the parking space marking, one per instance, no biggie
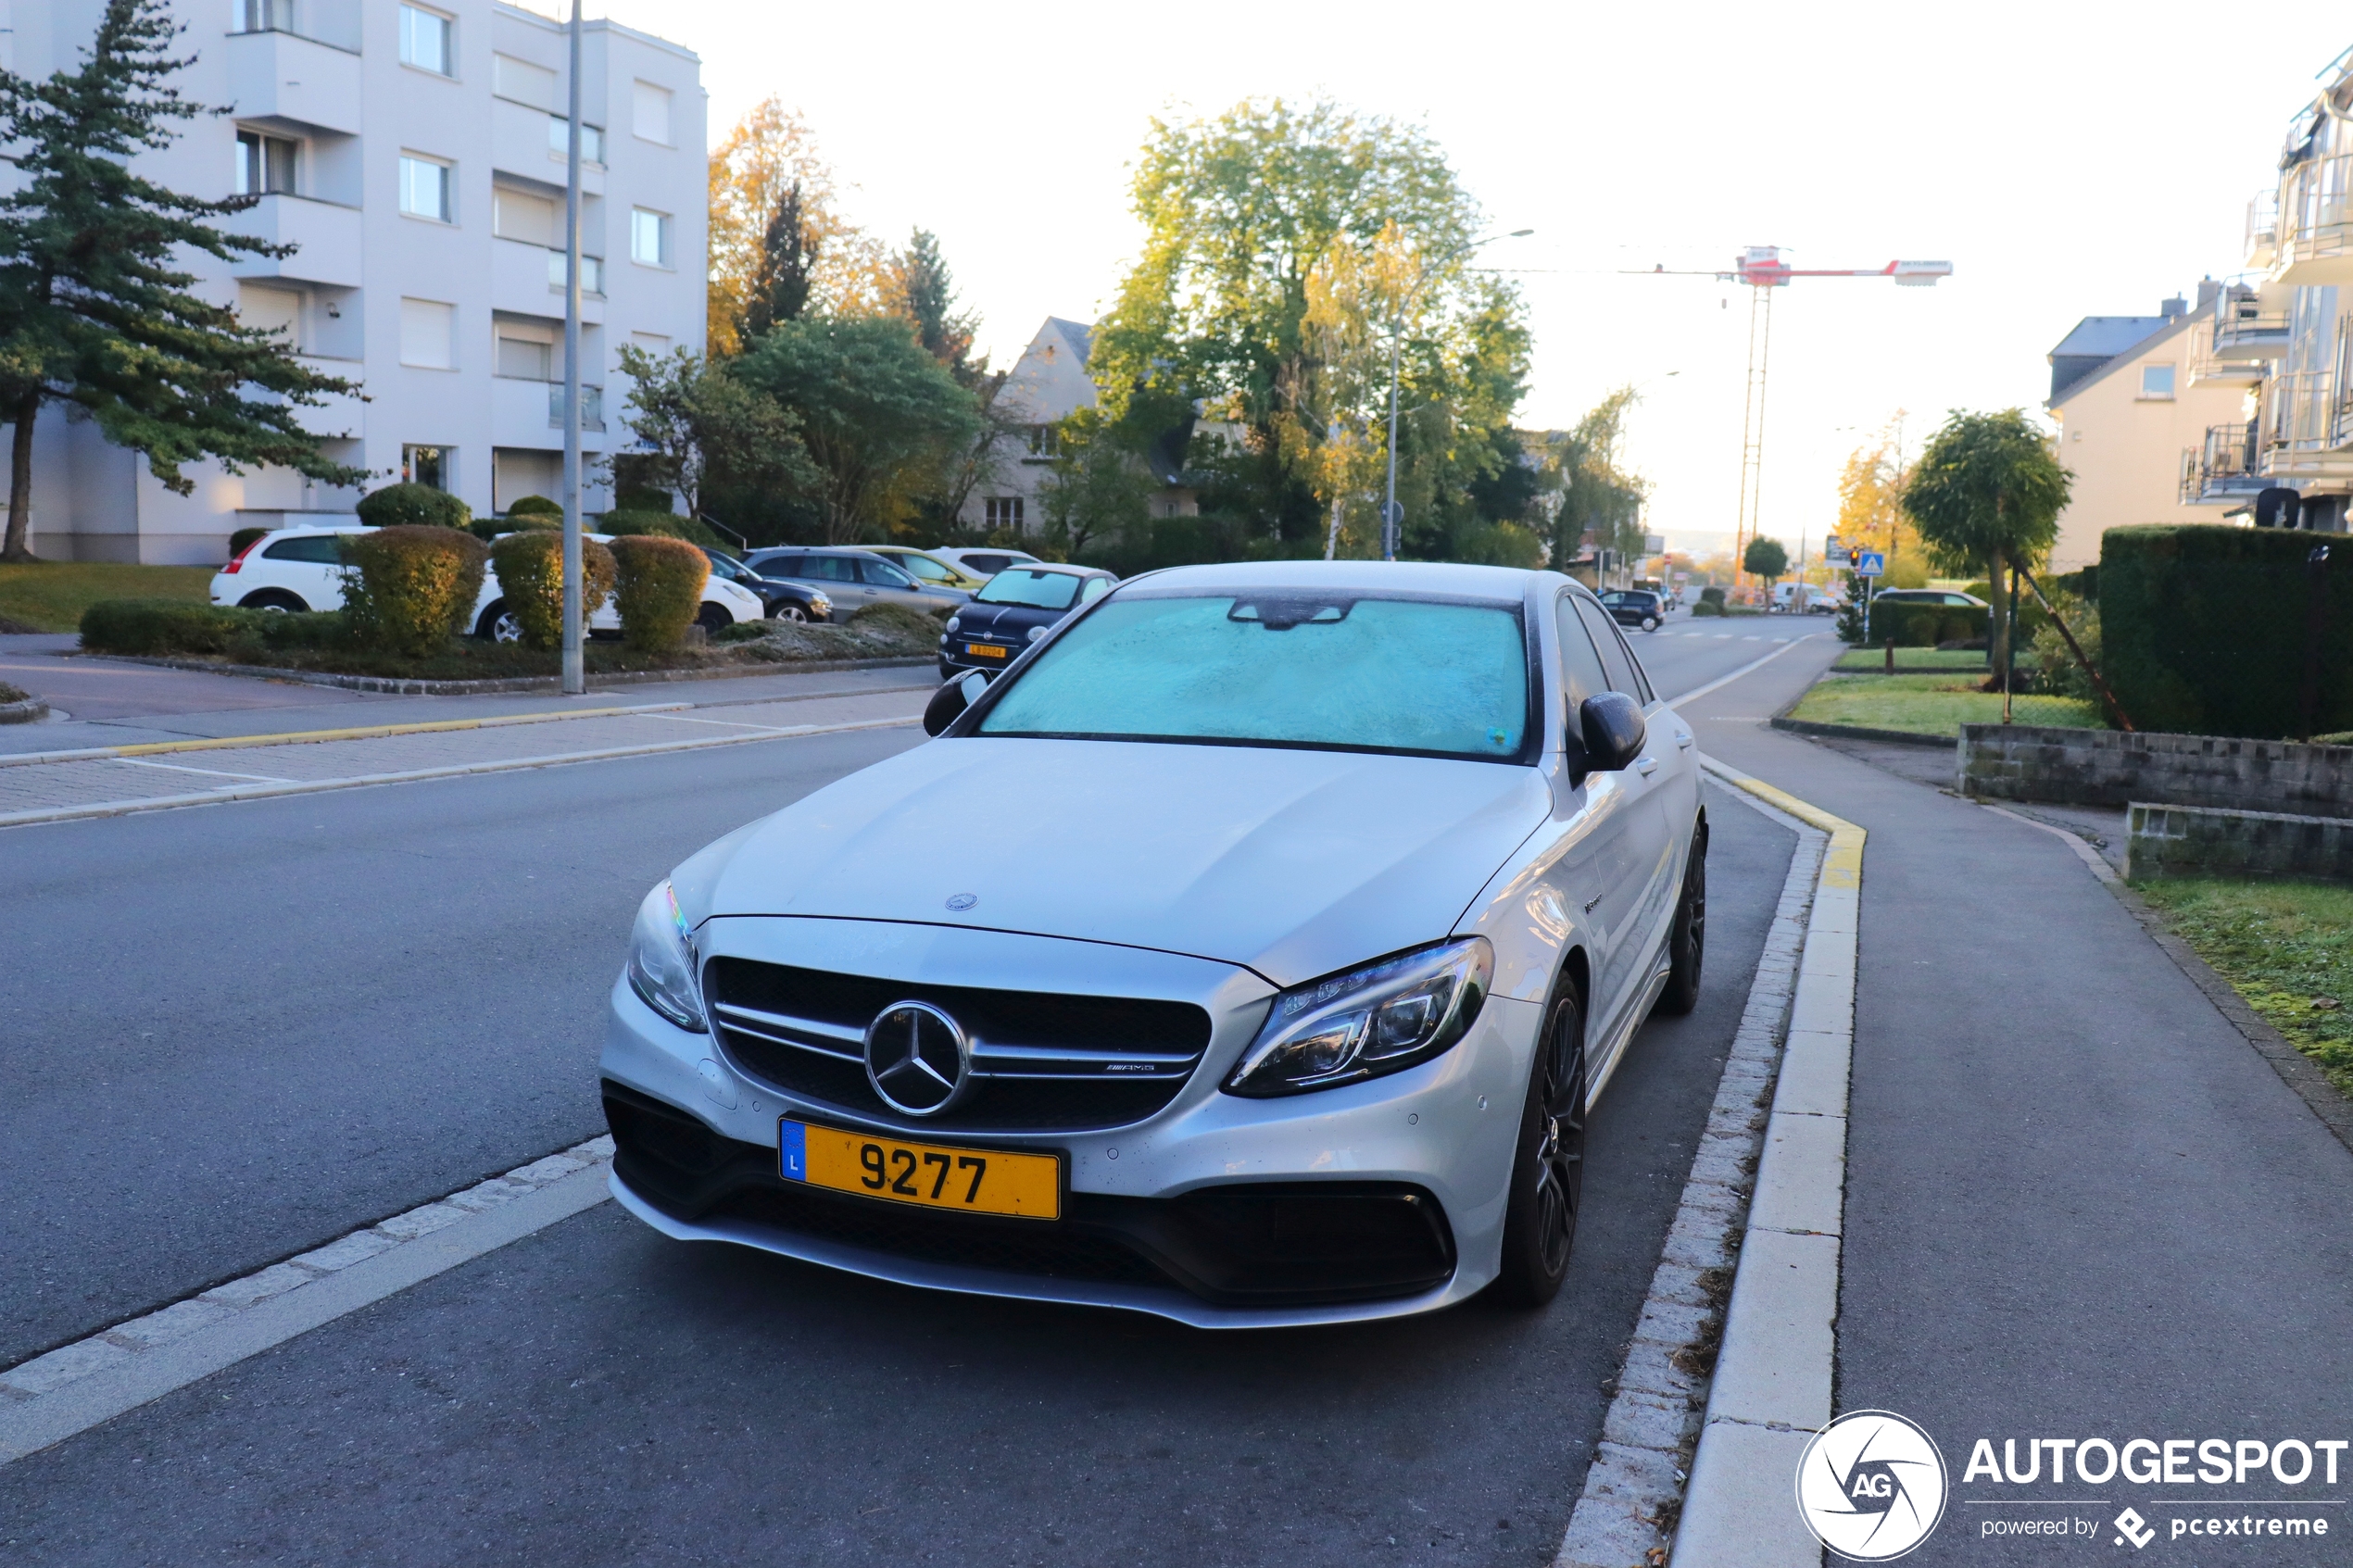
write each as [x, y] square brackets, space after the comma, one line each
[70, 1389]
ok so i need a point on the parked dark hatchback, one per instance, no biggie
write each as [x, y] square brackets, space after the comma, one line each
[1635, 606]
[1013, 610]
[781, 600]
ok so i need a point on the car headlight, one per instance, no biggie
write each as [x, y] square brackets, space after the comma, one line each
[1381, 1019]
[821, 603]
[661, 961]
[954, 621]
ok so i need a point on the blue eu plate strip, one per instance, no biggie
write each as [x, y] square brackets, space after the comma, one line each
[792, 1150]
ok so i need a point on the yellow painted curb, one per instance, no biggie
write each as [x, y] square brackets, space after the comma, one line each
[1842, 859]
[299, 737]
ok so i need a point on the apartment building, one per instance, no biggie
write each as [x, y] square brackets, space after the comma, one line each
[415, 154]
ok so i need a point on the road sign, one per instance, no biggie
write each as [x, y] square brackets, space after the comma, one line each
[1870, 563]
[1833, 548]
[1394, 513]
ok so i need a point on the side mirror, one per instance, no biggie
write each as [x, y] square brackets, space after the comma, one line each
[948, 704]
[1613, 729]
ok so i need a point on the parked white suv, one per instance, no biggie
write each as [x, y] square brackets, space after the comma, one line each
[299, 568]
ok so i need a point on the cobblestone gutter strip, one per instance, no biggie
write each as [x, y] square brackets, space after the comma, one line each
[76, 1387]
[1634, 1488]
[2295, 1070]
[306, 738]
[1775, 1377]
[395, 686]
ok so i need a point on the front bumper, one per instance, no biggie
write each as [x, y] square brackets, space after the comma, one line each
[1375, 1199]
[954, 656]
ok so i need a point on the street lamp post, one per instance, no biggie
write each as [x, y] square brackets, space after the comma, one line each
[1392, 515]
[575, 629]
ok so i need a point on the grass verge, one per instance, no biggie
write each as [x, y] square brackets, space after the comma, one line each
[2287, 946]
[1932, 704]
[1921, 661]
[50, 595]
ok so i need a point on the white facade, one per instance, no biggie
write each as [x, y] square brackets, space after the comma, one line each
[416, 155]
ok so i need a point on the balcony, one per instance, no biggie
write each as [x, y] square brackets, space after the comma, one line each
[2315, 245]
[530, 414]
[342, 415]
[2263, 229]
[298, 81]
[592, 406]
[326, 233]
[529, 280]
[2305, 429]
[2226, 469]
[530, 142]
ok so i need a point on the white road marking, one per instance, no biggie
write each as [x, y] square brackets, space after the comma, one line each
[1726, 679]
[183, 768]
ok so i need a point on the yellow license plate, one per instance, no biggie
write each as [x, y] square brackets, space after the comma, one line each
[982, 650]
[973, 1181]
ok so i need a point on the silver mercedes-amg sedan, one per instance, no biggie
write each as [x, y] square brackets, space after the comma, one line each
[1317, 903]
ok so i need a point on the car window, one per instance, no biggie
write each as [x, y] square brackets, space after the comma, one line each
[1095, 589]
[1283, 667]
[1582, 673]
[318, 548]
[1617, 661]
[988, 564]
[774, 566]
[923, 567]
[880, 574]
[828, 568]
[1030, 586]
[722, 565]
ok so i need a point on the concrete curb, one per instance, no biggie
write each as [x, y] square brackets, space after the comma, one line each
[78, 1385]
[1776, 1377]
[395, 687]
[28, 712]
[1634, 1486]
[1863, 732]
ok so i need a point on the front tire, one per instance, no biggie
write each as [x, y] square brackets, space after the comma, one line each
[713, 618]
[499, 624]
[1650, 624]
[276, 600]
[1687, 942]
[1548, 1163]
[792, 612]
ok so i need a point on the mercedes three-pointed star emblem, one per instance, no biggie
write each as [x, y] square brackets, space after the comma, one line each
[917, 1059]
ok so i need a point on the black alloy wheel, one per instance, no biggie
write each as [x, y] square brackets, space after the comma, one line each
[1687, 942]
[1548, 1163]
[712, 618]
[276, 600]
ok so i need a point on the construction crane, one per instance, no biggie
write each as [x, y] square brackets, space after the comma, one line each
[1763, 269]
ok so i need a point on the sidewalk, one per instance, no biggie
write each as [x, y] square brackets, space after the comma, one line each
[2078, 1203]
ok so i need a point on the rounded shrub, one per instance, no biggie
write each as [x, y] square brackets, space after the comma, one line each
[531, 579]
[411, 588]
[414, 506]
[244, 537]
[539, 505]
[662, 525]
[660, 589]
[1711, 595]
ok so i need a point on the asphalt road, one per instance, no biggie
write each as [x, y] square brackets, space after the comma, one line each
[243, 1029]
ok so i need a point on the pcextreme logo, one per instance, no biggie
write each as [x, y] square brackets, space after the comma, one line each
[1871, 1486]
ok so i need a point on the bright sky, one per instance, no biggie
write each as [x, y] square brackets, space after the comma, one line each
[2069, 159]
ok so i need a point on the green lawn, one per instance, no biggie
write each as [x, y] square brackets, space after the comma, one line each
[1921, 659]
[2287, 946]
[1932, 704]
[51, 596]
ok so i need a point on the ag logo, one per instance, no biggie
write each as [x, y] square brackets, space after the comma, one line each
[1871, 1486]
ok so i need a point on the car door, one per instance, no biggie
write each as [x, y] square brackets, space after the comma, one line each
[837, 576]
[1645, 901]
[309, 565]
[887, 584]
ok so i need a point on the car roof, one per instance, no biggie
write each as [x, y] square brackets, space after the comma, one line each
[1451, 578]
[1063, 568]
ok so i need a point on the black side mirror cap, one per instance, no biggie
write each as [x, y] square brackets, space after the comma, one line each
[948, 704]
[1613, 729]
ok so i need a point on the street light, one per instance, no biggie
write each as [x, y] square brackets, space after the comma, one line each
[1392, 515]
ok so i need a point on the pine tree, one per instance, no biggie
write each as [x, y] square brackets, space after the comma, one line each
[780, 284]
[930, 296]
[93, 311]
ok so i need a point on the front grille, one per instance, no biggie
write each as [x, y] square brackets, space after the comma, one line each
[1060, 1253]
[1042, 1061]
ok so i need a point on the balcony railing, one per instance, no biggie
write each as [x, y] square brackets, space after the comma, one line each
[2226, 467]
[592, 140]
[2262, 222]
[2316, 208]
[592, 406]
[2241, 331]
[592, 273]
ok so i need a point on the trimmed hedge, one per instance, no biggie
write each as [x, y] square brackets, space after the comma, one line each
[537, 504]
[159, 627]
[1924, 626]
[642, 498]
[531, 579]
[411, 588]
[1711, 597]
[2203, 628]
[243, 537]
[660, 589]
[660, 526]
[418, 506]
[1707, 606]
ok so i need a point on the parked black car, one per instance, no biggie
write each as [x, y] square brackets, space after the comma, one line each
[1013, 610]
[781, 600]
[1635, 606]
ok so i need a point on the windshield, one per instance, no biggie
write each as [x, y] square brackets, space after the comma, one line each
[1282, 669]
[1038, 590]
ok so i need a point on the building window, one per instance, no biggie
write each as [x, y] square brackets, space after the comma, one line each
[592, 273]
[425, 41]
[425, 188]
[526, 358]
[1004, 511]
[649, 237]
[2157, 382]
[428, 465]
[1044, 441]
[592, 140]
[265, 15]
[265, 164]
[649, 113]
[428, 334]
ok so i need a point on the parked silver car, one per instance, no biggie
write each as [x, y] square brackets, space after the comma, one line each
[1337, 892]
[854, 579]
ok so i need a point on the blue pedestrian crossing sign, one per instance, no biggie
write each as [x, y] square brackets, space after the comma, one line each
[1870, 563]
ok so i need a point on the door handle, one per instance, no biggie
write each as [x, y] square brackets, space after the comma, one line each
[1646, 765]
[1683, 740]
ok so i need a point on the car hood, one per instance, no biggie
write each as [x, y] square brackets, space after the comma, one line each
[978, 620]
[1292, 864]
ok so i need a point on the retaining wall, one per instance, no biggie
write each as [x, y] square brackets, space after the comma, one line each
[2201, 840]
[2111, 767]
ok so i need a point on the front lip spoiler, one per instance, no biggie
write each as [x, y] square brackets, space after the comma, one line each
[1171, 1303]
